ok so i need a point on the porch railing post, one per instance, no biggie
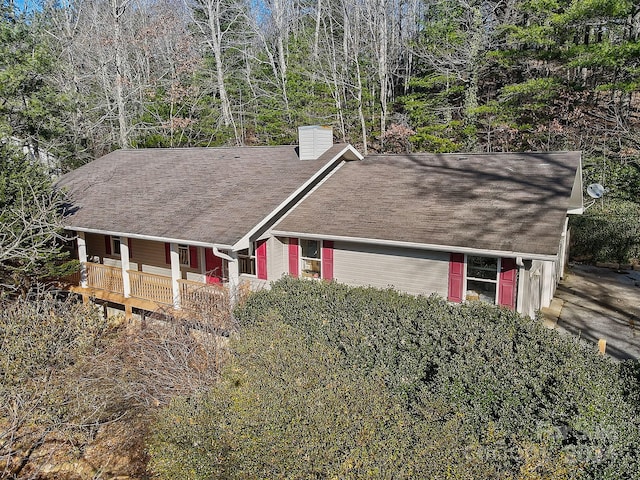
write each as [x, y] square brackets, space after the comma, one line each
[234, 277]
[124, 260]
[82, 257]
[176, 274]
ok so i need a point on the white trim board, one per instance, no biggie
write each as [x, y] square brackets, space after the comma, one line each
[419, 246]
[148, 237]
[348, 152]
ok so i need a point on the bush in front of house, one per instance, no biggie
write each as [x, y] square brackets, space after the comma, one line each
[42, 339]
[288, 408]
[331, 381]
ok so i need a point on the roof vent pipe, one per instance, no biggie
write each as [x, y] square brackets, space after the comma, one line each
[313, 141]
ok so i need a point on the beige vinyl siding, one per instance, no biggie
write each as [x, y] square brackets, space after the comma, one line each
[96, 248]
[148, 257]
[277, 259]
[152, 258]
[95, 245]
[408, 270]
[144, 254]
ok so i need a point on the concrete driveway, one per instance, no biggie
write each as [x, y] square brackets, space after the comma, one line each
[599, 303]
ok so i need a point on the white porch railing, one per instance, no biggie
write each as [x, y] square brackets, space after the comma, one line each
[202, 296]
[104, 277]
[149, 286]
[157, 288]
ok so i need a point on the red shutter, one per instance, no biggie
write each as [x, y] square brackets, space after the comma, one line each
[193, 257]
[167, 253]
[213, 266]
[261, 259]
[507, 285]
[129, 243]
[293, 257]
[327, 260]
[107, 244]
[456, 277]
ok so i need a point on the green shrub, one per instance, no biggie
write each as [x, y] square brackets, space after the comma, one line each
[607, 232]
[441, 390]
[287, 408]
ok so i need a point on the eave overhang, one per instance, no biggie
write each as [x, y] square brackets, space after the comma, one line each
[152, 238]
[419, 246]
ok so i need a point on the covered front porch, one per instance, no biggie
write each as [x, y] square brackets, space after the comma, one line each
[152, 275]
[147, 291]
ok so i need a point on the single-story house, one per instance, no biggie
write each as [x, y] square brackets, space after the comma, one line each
[489, 227]
[154, 224]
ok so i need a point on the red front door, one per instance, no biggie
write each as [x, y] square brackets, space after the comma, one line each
[213, 266]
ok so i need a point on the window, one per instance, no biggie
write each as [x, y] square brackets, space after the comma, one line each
[183, 253]
[247, 261]
[482, 278]
[311, 262]
[115, 246]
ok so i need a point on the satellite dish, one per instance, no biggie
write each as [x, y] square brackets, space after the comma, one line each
[595, 190]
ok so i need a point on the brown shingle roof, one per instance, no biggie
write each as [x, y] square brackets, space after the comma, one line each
[213, 195]
[504, 202]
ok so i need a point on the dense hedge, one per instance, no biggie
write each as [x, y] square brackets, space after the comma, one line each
[608, 232]
[336, 382]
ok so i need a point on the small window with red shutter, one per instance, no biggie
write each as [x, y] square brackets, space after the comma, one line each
[482, 278]
[112, 245]
[312, 258]
[183, 254]
[188, 255]
[246, 262]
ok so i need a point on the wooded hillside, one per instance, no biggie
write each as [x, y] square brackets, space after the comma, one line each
[79, 78]
[82, 77]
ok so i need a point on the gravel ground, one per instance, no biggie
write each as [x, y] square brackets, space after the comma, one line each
[600, 303]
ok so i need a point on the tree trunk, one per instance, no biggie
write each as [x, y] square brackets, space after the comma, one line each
[117, 10]
[215, 43]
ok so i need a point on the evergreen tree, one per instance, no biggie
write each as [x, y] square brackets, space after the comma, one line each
[31, 235]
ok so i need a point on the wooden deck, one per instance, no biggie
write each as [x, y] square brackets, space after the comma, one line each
[129, 303]
[149, 292]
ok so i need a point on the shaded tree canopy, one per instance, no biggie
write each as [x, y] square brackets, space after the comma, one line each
[83, 77]
[31, 236]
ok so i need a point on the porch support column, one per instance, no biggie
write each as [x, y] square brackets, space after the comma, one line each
[234, 278]
[564, 246]
[176, 275]
[82, 257]
[520, 298]
[124, 262]
[202, 260]
[234, 270]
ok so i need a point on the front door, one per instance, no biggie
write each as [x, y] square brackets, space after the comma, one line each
[213, 266]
